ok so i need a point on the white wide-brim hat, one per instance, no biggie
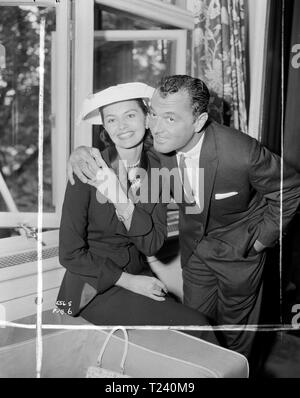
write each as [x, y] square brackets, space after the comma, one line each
[121, 92]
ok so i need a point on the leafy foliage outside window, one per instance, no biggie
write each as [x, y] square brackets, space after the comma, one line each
[19, 98]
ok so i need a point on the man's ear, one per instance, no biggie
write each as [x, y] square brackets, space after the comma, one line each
[200, 121]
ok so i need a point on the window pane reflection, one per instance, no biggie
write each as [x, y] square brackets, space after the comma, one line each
[121, 62]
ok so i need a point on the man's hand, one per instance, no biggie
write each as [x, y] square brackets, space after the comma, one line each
[256, 248]
[85, 163]
[108, 184]
[259, 247]
[145, 285]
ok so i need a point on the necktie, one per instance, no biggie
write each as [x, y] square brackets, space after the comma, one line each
[189, 194]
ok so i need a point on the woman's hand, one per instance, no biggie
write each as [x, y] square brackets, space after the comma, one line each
[148, 286]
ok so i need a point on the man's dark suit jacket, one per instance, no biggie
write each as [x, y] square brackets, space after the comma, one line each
[95, 247]
[250, 176]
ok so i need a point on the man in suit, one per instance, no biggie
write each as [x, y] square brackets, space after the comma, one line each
[230, 216]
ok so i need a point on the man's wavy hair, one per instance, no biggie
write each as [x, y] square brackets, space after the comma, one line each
[148, 141]
[196, 89]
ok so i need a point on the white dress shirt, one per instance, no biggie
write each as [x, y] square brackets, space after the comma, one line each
[192, 159]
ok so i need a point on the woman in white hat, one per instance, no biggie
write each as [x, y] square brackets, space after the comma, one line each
[105, 232]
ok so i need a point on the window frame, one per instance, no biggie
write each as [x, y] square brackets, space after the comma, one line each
[60, 117]
[179, 36]
[41, 3]
[169, 14]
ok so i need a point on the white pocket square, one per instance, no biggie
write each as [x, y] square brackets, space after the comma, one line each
[219, 196]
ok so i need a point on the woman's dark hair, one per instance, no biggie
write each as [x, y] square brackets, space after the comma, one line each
[148, 141]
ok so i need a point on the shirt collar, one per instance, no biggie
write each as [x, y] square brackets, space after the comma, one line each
[193, 152]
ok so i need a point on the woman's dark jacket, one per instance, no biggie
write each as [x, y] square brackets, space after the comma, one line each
[95, 247]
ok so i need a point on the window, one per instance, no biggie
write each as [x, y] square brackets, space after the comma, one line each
[21, 39]
[137, 55]
[20, 24]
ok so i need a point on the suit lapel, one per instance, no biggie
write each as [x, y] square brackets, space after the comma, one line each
[209, 163]
[169, 161]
